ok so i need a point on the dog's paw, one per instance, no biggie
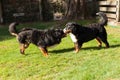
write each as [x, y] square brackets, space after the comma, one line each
[22, 51]
[99, 46]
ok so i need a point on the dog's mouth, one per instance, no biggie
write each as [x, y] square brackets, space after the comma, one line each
[67, 31]
[64, 35]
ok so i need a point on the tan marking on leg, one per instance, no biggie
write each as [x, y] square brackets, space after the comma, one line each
[99, 42]
[77, 48]
[22, 48]
[44, 51]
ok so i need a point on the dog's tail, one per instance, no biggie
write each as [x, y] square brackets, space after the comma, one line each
[12, 29]
[104, 18]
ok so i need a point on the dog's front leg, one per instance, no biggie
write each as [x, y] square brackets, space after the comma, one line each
[77, 47]
[22, 48]
[44, 51]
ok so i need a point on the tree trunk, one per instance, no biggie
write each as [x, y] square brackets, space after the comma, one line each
[75, 9]
[78, 9]
[71, 9]
[46, 10]
[1, 17]
[83, 8]
[40, 10]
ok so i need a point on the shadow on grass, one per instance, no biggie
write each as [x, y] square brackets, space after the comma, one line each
[62, 50]
[86, 48]
[115, 46]
[98, 48]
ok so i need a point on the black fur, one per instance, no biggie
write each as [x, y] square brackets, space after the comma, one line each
[88, 32]
[41, 38]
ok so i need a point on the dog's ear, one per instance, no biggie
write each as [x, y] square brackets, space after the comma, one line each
[76, 25]
[71, 25]
[74, 28]
[58, 33]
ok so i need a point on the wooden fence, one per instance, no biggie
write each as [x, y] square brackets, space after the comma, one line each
[19, 10]
[111, 8]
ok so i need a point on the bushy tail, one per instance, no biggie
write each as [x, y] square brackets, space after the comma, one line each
[12, 29]
[104, 18]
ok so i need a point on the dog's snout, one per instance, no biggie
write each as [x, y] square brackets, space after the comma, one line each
[64, 30]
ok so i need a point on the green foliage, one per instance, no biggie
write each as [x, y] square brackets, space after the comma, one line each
[91, 63]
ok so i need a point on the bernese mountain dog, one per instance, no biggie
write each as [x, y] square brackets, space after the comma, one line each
[80, 34]
[41, 38]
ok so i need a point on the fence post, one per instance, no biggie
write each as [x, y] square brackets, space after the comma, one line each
[118, 11]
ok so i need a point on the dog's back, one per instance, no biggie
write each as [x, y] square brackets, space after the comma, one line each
[47, 37]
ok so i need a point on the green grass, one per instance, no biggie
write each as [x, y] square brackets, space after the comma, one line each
[91, 63]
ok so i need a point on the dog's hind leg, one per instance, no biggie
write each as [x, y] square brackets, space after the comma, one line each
[106, 42]
[44, 51]
[104, 39]
[99, 42]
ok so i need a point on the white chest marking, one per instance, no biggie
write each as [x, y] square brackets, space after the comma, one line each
[73, 37]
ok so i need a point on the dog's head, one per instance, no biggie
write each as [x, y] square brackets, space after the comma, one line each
[100, 14]
[103, 18]
[60, 33]
[70, 27]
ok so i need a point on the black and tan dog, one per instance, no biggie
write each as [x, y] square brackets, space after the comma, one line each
[41, 38]
[80, 34]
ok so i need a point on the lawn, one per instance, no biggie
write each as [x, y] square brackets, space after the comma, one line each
[91, 63]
